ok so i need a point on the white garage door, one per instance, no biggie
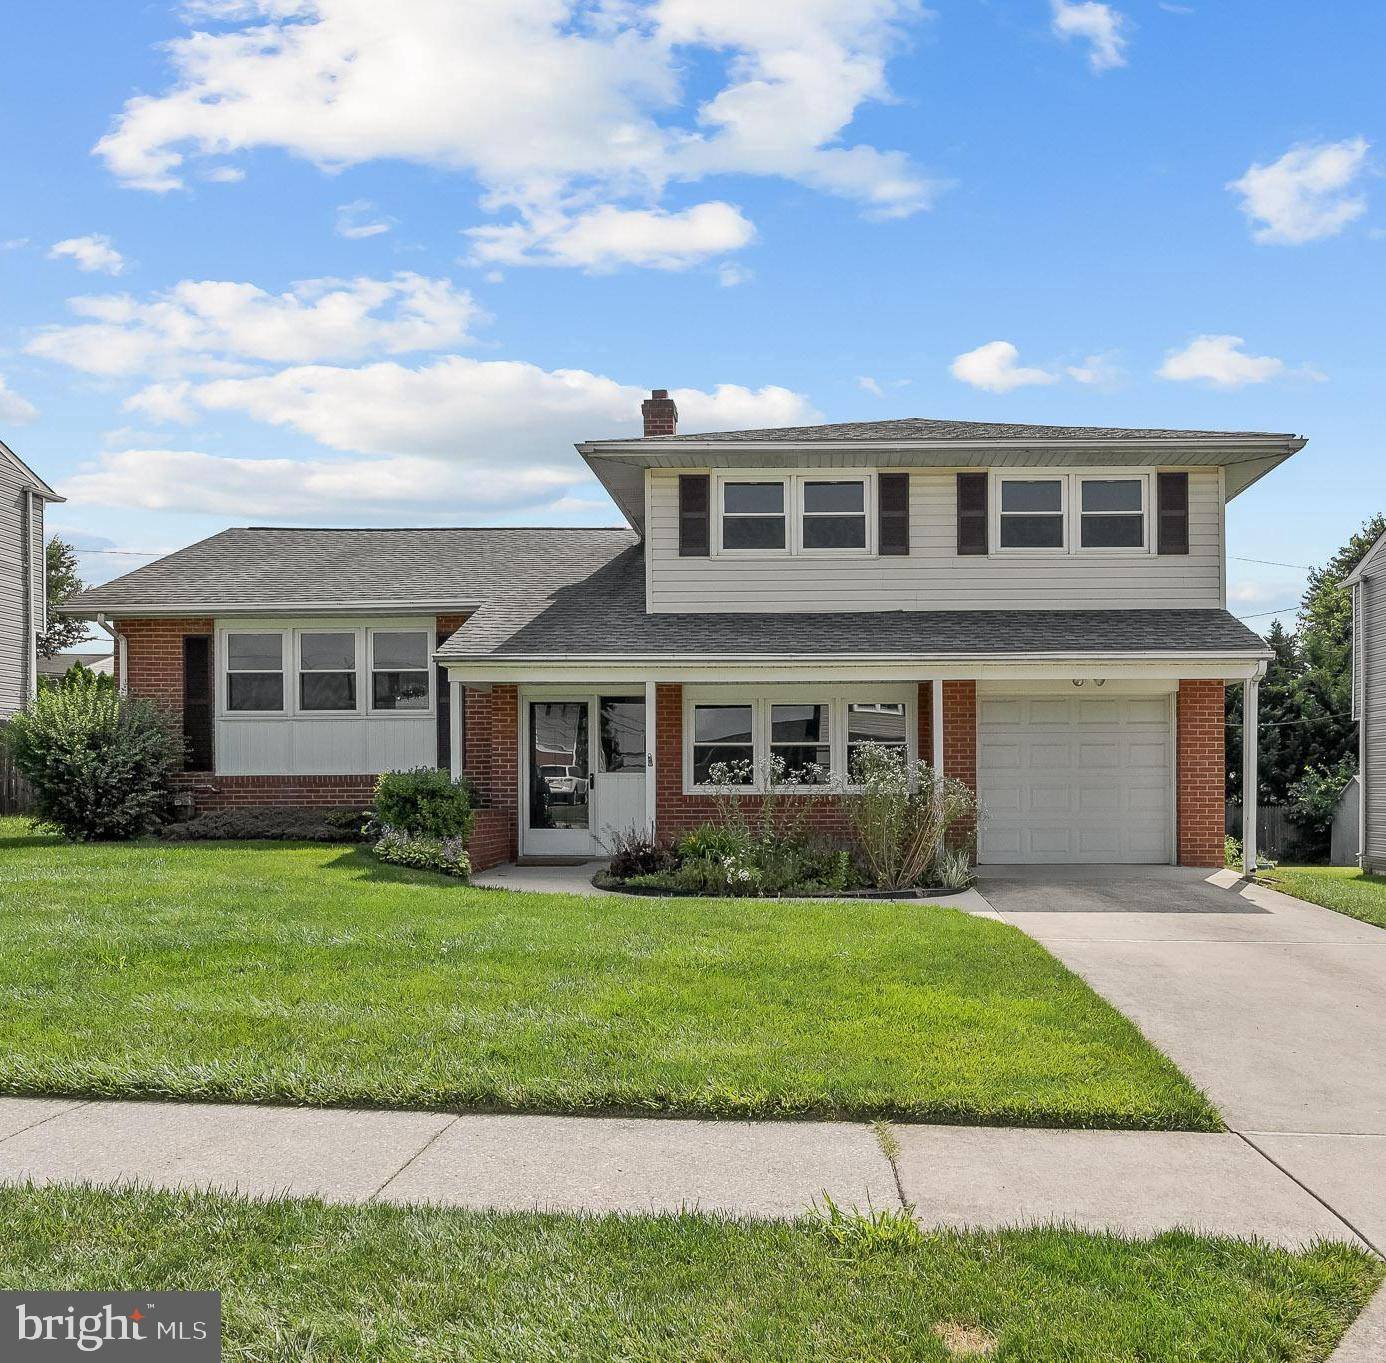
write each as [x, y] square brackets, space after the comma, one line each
[1075, 778]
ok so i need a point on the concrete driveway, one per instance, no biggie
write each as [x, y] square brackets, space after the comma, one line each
[1276, 1008]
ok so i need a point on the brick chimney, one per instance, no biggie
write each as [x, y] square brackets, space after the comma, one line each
[661, 416]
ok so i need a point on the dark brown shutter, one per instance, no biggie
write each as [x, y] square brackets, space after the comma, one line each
[197, 702]
[695, 528]
[893, 513]
[972, 513]
[1173, 535]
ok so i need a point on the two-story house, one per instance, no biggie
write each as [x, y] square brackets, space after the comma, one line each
[23, 579]
[1041, 611]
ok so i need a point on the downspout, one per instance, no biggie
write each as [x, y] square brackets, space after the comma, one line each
[1251, 776]
[121, 665]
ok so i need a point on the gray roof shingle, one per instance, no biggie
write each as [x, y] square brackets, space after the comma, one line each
[273, 568]
[908, 429]
[603, 616]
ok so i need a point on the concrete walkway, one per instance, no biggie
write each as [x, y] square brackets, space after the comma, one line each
[1138, 1183]
[1275, 1007]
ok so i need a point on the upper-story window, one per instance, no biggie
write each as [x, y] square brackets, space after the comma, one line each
[794, 514]
[1032, 513]
[1112, 513]
[753, 515]
[833, 513]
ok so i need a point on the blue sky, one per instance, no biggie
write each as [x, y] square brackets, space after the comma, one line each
[340, 262]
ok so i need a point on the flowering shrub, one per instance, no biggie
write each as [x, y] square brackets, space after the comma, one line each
[424, 853]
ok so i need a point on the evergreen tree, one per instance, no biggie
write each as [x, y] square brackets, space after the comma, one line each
[1281, 759]
[1324, 689]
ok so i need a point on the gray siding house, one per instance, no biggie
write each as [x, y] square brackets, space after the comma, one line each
[1368, 585]
[23, 599]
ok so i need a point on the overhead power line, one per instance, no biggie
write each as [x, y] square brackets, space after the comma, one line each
[1287, 723]
[1271, 562]
[1284, 610]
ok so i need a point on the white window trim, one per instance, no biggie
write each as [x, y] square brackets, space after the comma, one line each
[868, 497]
[225, 672]
[300, 672]
[1078, 513]
[1070, 482]
[793, 484]
[999, 482]
[371, 669]
[289, 637]
[761, 699]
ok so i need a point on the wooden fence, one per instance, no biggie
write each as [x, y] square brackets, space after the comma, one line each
[14, 792]
[1273, 827]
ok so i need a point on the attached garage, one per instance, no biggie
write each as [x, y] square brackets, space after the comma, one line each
[1078, 775]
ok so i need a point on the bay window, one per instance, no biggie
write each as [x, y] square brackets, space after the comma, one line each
[255, 672]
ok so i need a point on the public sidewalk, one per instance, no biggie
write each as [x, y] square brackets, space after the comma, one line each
[1134, 1182]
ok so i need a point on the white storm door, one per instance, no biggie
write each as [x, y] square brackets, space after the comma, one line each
[557, 818]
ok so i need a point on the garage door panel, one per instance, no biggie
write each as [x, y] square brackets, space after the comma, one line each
[1075, 779]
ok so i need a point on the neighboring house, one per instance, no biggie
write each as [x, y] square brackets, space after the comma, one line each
[23, 578]
[1368, 585]
[103, 664]
[1041, 611]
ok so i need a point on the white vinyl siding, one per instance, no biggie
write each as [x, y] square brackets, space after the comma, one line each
[299, 742]
[933, 576]
[1371, 639]
[17, 620]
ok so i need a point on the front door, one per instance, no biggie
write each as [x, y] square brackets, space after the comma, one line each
[584, 762]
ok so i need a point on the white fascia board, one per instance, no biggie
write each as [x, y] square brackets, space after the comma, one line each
[1243, 447]
[267, 609]
[31, 478]
[1368, 559]
[1227, 667]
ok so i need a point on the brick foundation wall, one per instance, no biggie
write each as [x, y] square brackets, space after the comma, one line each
[211, 792]
[1201, 772]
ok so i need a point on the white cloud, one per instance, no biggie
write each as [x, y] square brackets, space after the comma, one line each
[455, 439]
[218, 325]
[1103, 28]
[13, 407]
[89, 254]
[730, 275]
[1219, 361]
[359, 219]
[224, 175]
[607, 237]
[870, 385]
[14, 244]
[1306, 194]
[554, 105]
[993, 367]
[1099, 371]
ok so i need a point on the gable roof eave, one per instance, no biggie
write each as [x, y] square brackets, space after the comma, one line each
[30, 477]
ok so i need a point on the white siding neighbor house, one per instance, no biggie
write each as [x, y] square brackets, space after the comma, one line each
[23, 595]
[1039, 611]
[1368, 585]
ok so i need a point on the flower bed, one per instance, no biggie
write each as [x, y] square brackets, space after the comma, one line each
[758, 845]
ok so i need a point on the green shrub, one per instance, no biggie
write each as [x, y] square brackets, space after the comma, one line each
[424, 802]
[423, 853]
[1232, 853]
[100, 764]
[635, 853]
[1312, 805]
[902, 816]
[276, 823]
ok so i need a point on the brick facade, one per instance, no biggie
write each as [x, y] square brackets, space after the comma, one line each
[1201, 767]
[154, 658]
[492, 761]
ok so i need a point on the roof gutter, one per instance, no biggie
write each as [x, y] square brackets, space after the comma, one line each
[635, 450]
[843, 659]
[261, 609]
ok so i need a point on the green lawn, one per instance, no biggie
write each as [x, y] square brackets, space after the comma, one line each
[353, 1284]
[306, 973]
[1341, 888]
